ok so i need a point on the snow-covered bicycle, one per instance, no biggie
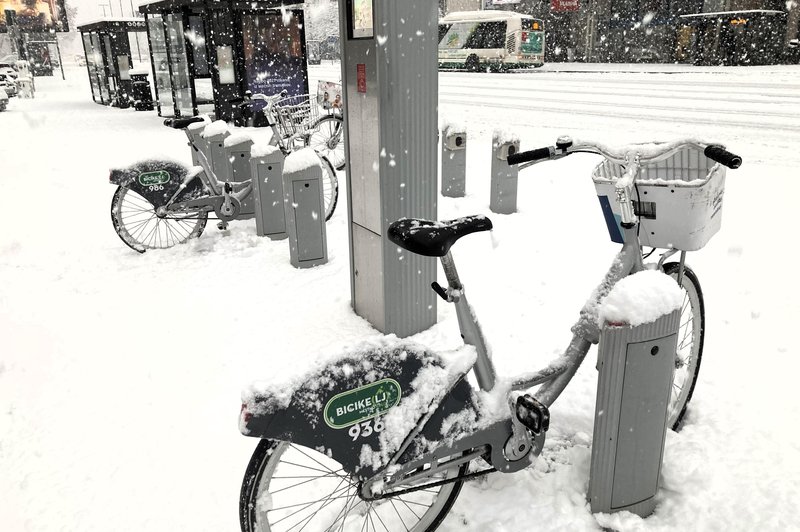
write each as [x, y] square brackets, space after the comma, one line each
[383, 437]
[159, 204]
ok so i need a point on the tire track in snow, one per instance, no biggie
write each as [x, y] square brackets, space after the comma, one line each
[655, 92]
[629, 105]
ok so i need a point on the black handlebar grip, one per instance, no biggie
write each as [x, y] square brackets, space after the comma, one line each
[527, 156]
[180, 123]
[723, 156]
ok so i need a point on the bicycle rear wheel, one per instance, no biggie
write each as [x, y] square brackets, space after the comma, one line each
[330, 187]
[288, 487]
[327, 139]
[691, 334]
[137, 224]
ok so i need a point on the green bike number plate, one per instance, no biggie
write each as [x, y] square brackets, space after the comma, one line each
[368, 401]
[154, 178]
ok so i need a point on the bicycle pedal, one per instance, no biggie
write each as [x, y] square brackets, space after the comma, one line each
[533, 414]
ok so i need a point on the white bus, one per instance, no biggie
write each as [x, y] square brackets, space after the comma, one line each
[498, 40]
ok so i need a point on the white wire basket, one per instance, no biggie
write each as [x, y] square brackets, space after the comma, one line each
[296, 115]
[678, 200]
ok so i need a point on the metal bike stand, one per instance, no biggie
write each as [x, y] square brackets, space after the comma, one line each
[304, 209]
[196, 134]
[214, 136]
[635, 367]
[237, 152]
[266, 169]
[454, 162]
[503, 195]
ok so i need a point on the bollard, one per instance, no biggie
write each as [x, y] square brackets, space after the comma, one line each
[454, 161]
[196, 134]
[266, 169]
[237, 151]
[304, 209]
[503, 195]
[635, 366]
[214, 136]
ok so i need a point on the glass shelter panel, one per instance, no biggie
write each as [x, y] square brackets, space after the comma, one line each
[179, 66]
[91, 60]
[162, 79]
[99, 68]
[203, 87]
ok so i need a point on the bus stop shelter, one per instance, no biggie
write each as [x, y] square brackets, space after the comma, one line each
[207, 53]
[107, 45]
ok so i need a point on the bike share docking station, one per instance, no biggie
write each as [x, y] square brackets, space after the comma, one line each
[503, 194]
[390, 83]
[304, 209]
[454, 161]
[635, 366]
[266, 167]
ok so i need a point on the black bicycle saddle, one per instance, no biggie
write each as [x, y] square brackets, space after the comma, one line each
[434, 239]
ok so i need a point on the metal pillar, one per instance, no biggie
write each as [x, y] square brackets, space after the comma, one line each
[390, 82]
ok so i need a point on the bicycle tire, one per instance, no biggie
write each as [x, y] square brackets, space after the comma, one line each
[330, 187]
[136, 223]
[691, 335]
[256, 500]
[327, 138]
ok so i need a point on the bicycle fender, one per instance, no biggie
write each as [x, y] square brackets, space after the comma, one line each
[347, 409]
[157, 181]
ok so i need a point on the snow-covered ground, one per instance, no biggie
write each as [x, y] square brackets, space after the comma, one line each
[120, 374]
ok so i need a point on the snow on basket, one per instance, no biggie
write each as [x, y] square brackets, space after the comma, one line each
[678, 200]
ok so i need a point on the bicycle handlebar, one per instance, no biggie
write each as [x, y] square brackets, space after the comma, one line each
[539, 154]
[719, 154]
[180, 123]
[565, 147]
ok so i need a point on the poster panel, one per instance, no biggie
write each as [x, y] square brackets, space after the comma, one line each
[329, 95]
[273, 53]
[35, 15]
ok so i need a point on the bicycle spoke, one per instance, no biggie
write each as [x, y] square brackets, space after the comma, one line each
[307, 504]
[311, 517]
[305, 482]
[308, 467]
[299, 450]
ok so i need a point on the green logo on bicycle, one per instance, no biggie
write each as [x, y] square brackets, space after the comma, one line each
[149, 179]
[363, 403]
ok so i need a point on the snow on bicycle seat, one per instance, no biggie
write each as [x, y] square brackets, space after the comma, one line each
[434, 239]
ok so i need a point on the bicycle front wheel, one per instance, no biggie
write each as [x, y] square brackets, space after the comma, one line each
[288, 487]
[137, 224]
[330, 187]
[328, 139]
[691, 334]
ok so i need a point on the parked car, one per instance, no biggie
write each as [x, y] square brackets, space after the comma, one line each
[8, 84]
[3, 101]
[8, 69]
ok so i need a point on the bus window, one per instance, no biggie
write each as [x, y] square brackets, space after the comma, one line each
[456, 35]
[488, 35]
[472, 35]
[443, 29]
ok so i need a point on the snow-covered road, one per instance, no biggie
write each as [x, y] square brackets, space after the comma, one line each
[120, 373]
